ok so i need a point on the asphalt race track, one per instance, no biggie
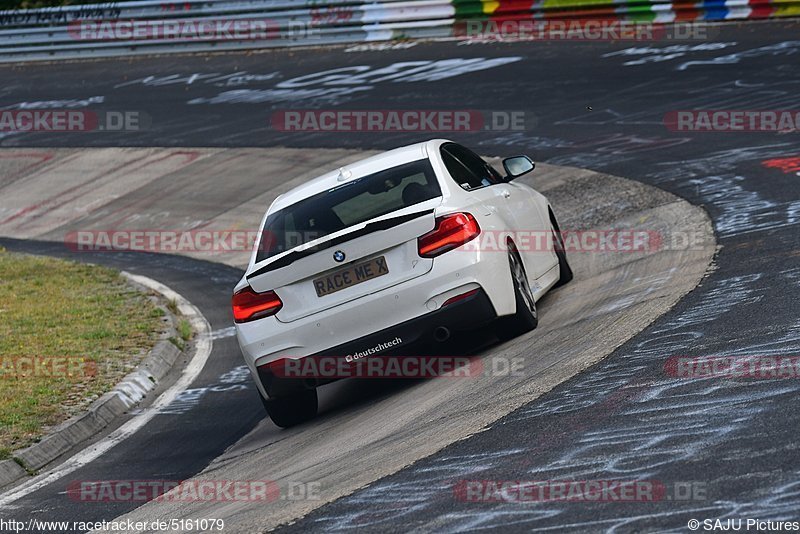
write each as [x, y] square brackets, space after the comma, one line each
[599, 106]
[614, 294]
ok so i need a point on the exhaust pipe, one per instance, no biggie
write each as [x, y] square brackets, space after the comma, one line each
[441, 334]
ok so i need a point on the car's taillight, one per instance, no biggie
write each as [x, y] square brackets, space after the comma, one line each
[249, 305]
[451, 232]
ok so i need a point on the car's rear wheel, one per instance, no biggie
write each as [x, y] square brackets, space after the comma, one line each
[527, 317]
[292, 409]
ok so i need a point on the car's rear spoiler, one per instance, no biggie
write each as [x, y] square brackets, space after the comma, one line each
[375, 226]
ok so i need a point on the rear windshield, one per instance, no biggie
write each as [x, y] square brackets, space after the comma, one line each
[346, 205]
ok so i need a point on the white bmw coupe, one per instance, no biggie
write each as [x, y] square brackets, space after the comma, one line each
[409, 246]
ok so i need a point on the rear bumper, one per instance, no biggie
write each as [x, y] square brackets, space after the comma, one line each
[456, 272]
[413, 334]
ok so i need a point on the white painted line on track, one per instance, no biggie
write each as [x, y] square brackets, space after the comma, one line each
[203, 345]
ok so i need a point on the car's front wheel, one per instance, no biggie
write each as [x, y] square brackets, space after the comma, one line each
[527, 317]
[564, 270]
[292, 409]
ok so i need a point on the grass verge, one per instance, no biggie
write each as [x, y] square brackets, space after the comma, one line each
[68, 333]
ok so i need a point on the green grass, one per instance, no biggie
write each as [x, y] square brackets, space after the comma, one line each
[58, 309]
[172, 305]
[184, 329]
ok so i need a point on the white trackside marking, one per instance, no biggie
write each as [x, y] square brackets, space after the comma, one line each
[223, 333]
[203, 343]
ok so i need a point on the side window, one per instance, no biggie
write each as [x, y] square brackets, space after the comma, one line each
[460, 173]
[467, 168]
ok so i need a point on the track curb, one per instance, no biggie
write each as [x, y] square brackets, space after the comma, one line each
[131, 390]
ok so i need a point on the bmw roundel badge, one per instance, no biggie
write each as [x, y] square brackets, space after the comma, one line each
[338, 256]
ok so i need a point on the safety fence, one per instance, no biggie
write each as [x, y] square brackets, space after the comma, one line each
[154, 27]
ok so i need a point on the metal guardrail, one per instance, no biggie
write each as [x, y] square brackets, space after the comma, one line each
[71, 32]
[56, 33]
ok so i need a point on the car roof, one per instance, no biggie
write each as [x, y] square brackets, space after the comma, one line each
[355, 170]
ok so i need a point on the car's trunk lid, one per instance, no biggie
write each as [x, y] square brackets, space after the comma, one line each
[369, 250]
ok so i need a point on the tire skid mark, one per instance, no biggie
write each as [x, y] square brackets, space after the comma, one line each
[140, 202]
[42, 157]
[74, 193]
[136, 205]
[59, 200]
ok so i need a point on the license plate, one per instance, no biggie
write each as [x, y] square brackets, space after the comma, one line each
[350, 276]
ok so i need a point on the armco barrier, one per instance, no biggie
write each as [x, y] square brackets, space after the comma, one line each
[68, 32]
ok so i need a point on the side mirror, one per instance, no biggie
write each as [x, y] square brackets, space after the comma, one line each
[516, 166]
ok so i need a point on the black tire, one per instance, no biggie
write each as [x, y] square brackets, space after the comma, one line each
[527, 317]
[293, 409]
[564, 270]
